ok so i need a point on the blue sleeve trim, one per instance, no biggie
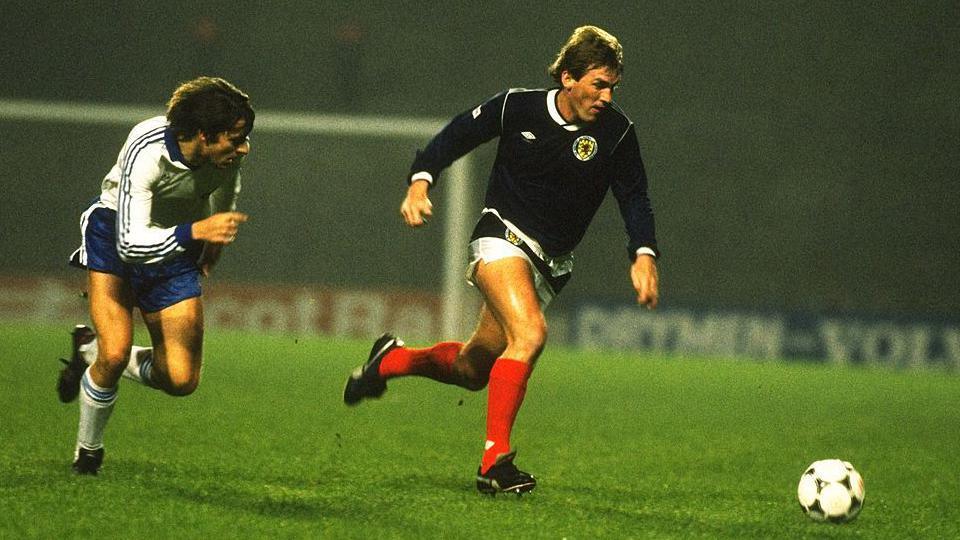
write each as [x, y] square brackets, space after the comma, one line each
[184, 235]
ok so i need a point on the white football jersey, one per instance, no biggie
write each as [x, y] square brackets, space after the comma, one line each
[154, 191]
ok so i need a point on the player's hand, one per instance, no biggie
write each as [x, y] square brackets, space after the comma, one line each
[645, 279]
[416, 206]
[219, 228]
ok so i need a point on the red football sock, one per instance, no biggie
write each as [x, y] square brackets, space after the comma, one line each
[508, 385]
[434, 362]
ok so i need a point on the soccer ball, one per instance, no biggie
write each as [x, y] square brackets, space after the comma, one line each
[831, 490]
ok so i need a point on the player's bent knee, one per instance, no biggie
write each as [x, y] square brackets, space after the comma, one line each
[182, 386]
[113, 361]
[472, 370]
[181, 390]
[476, 377]
[475, 382]
[532, 339]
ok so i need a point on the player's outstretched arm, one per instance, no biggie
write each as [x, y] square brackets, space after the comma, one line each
[416, 206]
[643, 273]
[220, 228]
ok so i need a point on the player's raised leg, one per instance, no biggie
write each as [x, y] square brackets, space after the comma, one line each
[83, 352]
[365, 382]
[486, 344]
[463, 364]
[177, 335]
[85, 347]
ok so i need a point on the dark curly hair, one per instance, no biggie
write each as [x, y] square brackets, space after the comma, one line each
[208, 105]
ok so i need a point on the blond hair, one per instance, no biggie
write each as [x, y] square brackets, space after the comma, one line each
[589, 47]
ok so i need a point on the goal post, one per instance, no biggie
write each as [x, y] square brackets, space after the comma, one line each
[456, 190]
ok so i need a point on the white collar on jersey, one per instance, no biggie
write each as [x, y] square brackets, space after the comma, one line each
[555, 114]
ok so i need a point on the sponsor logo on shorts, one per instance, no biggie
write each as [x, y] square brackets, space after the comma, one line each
[585, 147]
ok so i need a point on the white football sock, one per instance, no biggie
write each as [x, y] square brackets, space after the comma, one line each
[89, 351]
[140, 367]
[96, 404]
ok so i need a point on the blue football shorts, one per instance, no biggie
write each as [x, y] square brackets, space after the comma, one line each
[155, 286]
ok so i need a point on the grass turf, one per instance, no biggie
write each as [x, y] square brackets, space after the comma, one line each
[624, 445]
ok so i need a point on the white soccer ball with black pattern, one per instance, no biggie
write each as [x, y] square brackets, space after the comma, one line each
[831, 490]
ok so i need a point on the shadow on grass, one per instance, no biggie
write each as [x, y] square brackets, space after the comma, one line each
[335, 491]
[267, 494]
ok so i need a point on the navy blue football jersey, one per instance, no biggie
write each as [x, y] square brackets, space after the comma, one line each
[550, 177]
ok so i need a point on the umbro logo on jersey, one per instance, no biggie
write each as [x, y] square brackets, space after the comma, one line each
[585, 147]
[528, 136]
[476, 112]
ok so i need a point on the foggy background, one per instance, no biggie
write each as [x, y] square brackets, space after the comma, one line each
[801, 157]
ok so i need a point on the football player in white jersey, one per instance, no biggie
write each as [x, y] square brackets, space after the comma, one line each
[560, 151]
[165, 211]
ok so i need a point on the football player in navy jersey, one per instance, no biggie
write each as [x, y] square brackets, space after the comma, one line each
[559, 151]
[166, 210]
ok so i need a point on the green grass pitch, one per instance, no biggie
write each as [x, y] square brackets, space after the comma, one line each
[624, 445]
